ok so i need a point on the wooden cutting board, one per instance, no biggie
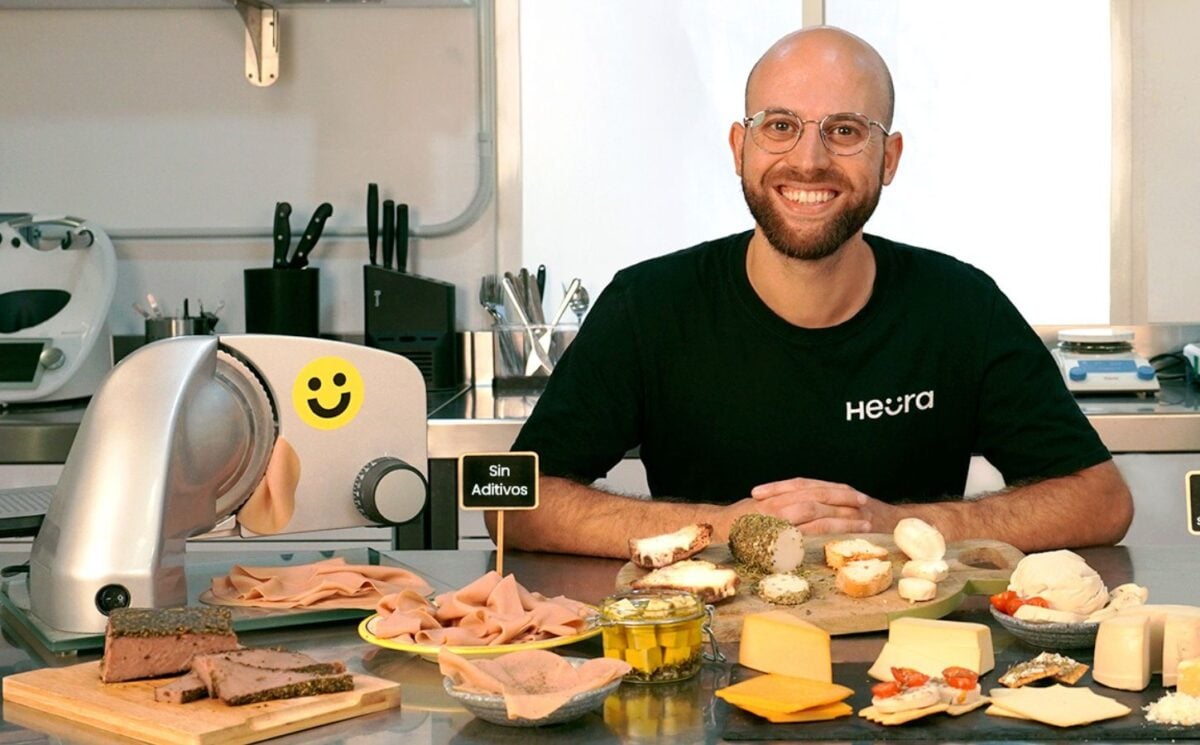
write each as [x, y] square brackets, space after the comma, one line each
[76, 694]
[977, 567]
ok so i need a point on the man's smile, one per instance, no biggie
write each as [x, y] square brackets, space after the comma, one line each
[807, 196]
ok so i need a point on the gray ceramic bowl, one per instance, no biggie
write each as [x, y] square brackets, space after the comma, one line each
[1049, 636]
[491, 708]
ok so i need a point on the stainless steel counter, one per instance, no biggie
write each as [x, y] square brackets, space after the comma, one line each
[680, 712]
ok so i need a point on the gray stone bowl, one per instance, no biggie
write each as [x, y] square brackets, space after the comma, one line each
[1049, 636]
[491, 707]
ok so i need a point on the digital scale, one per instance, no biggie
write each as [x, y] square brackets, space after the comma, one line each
[1102, 360]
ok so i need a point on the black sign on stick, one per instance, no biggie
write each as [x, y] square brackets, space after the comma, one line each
[501, 482]
[498, 481]
[1193, 502]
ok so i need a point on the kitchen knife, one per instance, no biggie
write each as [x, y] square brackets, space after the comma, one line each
[402, 237]
[282, 233]
[312, 234]
[389, 232]
[373, 219]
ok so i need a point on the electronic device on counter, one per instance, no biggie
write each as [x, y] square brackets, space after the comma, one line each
[58, 275]
[190, 436]
[1102, 360]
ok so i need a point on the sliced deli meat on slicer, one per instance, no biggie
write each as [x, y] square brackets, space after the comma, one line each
[668, 548]
[332, 583]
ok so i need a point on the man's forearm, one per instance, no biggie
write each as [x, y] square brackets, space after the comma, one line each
[577, 519]
[1089, 508]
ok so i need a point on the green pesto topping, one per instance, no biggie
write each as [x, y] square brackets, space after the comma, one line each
[155, 622]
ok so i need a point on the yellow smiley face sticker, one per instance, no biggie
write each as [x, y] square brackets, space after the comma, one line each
[327, 393]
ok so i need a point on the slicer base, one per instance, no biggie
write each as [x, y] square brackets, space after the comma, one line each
[14, 598]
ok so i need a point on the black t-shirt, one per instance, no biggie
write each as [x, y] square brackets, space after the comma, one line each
[681, 358]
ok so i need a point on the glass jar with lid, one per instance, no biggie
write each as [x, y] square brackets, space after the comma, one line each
[661, 633]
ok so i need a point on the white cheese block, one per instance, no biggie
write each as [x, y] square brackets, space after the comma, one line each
[934, 571]
[935, 634]
[1158, 615]
[1123, 647]
[1180, 641]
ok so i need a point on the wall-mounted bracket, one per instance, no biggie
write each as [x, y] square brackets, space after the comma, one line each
[262, 41]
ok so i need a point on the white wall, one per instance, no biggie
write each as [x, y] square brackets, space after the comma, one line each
[1166, 158]
[141, 120]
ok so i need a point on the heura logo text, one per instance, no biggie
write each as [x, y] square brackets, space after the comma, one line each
[878, 407]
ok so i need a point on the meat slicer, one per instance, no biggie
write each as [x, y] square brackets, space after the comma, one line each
[57, 284]
[203, 436]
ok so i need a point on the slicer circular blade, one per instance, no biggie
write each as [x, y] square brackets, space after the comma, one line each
[258, 434]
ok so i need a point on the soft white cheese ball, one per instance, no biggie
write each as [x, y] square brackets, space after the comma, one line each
[1063, 579]
[920, 540]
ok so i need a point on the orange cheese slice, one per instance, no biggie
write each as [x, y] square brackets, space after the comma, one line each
[783, 694]
[815, 714]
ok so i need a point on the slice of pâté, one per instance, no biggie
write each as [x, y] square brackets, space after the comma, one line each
[155, 642]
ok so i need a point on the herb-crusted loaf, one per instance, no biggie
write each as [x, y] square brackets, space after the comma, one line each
[154, 642]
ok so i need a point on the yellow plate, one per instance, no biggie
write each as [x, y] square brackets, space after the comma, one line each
[430, 651]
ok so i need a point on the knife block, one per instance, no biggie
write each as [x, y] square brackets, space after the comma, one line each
[413, 316]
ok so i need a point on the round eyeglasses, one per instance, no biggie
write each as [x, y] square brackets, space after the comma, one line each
[777, 131]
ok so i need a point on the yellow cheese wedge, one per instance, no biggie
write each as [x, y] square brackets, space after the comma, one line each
[1123, 648]
[778, 642]
[782, 694]
[815, 714]
[929, 659]
[1189, 677]
[1058, 705]
[970, 644]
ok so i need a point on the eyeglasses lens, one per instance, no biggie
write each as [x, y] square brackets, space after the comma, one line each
[842, 134]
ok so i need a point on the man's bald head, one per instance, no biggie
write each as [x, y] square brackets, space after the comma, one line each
[828, 45]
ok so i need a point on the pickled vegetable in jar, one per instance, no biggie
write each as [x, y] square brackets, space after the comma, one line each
[660, 633]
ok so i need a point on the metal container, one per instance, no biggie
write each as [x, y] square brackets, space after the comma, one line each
[661, 633]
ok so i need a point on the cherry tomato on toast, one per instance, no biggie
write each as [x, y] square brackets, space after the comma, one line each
[886, 690]
[909, 678]
[960, 678]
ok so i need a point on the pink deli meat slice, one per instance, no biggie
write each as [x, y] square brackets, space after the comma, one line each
[331, 583]
[491, 610]
[534, 682]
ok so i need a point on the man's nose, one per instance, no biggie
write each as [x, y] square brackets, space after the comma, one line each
[809, 152]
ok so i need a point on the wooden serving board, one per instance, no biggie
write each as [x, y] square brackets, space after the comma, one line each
[977, 567]
[76, 694]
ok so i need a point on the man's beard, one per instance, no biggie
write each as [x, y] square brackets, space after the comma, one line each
[841, 228]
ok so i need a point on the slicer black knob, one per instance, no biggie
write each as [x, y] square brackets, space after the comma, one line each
[389, 490]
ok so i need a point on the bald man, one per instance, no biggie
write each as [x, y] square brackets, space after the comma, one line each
[807, 370]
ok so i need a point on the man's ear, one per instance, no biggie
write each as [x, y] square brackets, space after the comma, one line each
[737, 138]
[892, 148]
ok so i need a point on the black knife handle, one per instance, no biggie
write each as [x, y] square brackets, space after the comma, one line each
[541, 280]
[389, 232]
[282, 232]
[402, 237]
[312, 234]
[373, 219]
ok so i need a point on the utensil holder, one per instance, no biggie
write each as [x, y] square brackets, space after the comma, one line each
[512, 346]
[165, 328]
[282, 301]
